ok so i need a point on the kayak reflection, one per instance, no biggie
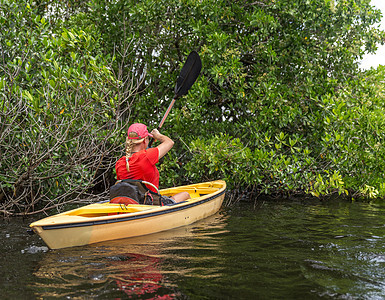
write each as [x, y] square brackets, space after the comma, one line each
[143, 277]
[142, 267]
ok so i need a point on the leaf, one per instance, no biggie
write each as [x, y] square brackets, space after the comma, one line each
[62, 111]
[28, 95]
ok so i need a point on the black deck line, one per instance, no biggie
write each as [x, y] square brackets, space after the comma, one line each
[157, 213]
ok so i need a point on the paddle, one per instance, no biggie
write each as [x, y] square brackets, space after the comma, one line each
[189, 73]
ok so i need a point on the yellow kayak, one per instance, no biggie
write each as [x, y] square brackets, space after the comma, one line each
[107, 221]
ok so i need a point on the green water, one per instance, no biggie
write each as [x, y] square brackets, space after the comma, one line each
[279, 250]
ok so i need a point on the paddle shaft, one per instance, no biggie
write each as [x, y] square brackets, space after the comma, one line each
[163, 119]
[166, 113]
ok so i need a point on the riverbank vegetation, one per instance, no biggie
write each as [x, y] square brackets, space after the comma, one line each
[281, 106]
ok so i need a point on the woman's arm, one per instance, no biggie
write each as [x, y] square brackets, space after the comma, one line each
[165, 142]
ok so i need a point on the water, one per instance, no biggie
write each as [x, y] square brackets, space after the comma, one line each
[279, 250]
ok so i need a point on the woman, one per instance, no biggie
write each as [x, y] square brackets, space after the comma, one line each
[140, 162]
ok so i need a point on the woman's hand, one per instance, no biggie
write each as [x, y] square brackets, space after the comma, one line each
[165, 142]
[157, 135]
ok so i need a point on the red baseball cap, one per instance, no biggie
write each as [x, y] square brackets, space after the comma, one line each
[138, 131]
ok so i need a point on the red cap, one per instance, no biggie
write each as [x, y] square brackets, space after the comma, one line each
[140, 130]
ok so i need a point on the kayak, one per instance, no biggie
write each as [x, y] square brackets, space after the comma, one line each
[105, 221]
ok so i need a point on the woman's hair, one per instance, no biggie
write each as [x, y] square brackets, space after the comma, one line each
[129, 145]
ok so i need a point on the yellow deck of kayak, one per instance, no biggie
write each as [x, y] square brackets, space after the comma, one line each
[106, 221]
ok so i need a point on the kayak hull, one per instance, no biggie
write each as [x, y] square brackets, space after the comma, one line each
[106, 221]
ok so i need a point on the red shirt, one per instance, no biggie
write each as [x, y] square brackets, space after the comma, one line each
[142, 166]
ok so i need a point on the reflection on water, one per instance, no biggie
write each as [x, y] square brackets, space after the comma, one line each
[281, 250]
[135, 267]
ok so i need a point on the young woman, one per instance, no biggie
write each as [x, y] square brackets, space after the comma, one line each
[140, 162]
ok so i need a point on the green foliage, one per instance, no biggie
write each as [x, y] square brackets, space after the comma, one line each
[278, 78]
[281, 106]
[324, 185]
[58, 106]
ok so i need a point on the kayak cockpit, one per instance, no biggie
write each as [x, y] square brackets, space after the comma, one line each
[108, 209]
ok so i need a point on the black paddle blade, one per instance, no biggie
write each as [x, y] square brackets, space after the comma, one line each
[188, 74]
